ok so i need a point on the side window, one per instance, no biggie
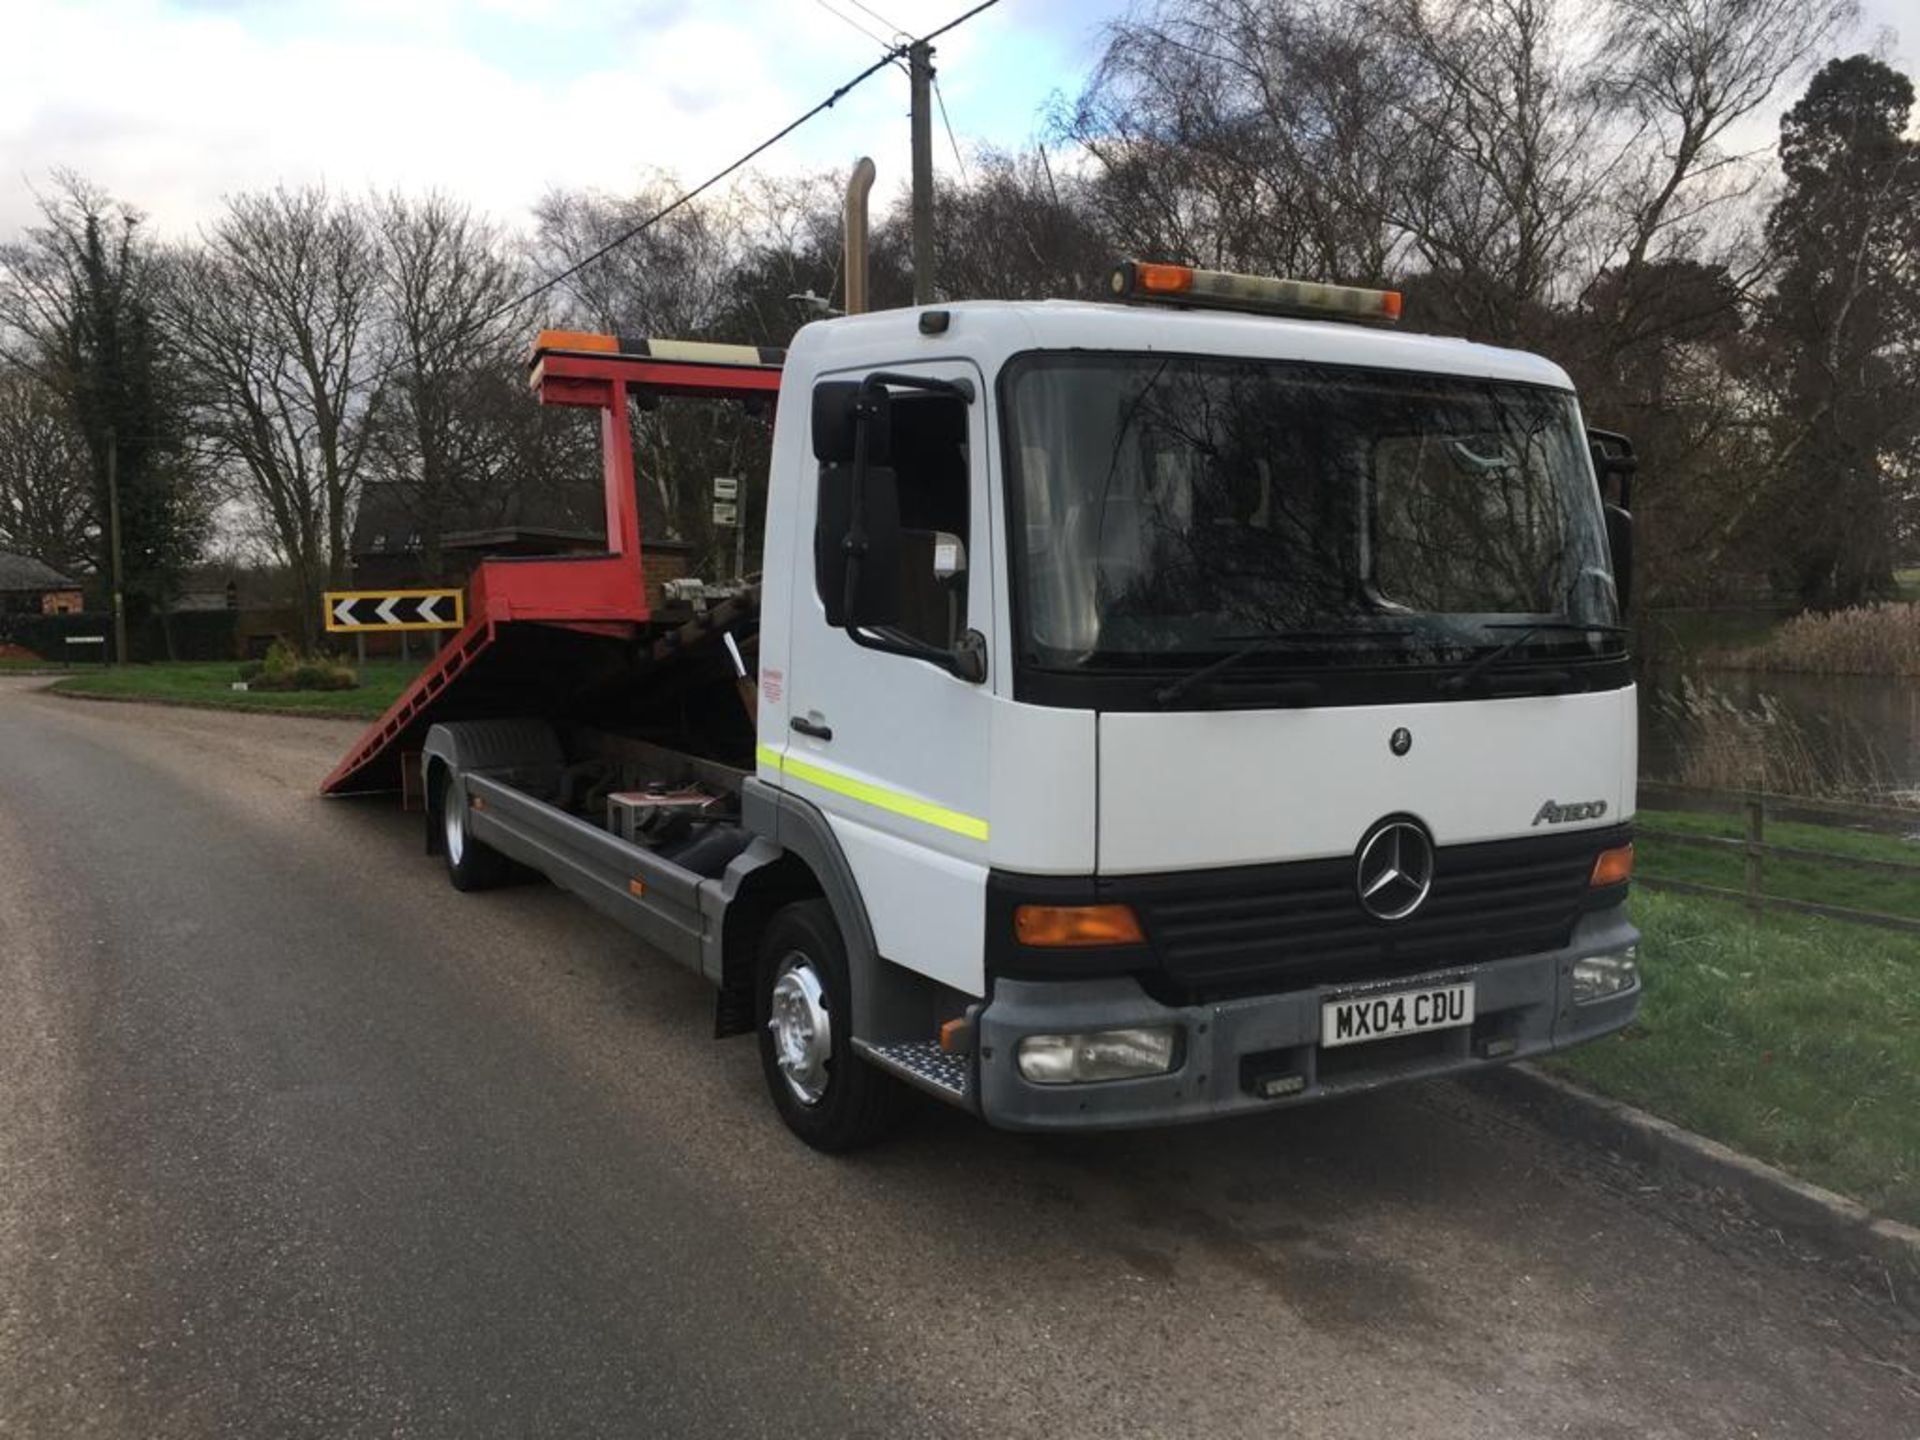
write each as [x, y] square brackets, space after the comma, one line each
[931, 461]
[926, 458]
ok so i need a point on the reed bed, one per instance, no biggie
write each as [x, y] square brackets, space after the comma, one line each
[1866, 640]
[1730, 745]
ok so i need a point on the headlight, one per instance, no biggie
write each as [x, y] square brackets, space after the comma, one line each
[1600, 976]
[1098, 1055]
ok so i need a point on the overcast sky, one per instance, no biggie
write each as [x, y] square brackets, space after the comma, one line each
[172, 103]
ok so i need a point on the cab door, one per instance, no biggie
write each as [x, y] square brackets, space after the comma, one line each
[893, 748]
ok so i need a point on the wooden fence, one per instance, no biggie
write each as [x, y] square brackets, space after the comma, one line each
[1755, 849]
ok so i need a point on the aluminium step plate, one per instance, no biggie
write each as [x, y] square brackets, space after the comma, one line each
[925, 1062]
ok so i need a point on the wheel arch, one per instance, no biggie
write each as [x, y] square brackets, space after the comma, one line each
[794, 857]
[525, 751]
[435, 772]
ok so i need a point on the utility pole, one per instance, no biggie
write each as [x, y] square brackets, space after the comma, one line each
[920, 77]
[113, 540]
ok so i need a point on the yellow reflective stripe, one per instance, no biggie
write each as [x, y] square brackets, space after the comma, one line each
[878, 796]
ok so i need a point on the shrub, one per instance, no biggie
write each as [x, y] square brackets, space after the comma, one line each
[251, 669]
[1867, 640]
[280, 657]
[286, 669]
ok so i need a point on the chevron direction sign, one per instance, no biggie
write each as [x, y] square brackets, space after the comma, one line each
[364, 610]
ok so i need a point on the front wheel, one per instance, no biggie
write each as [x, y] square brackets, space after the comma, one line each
[828, 1095]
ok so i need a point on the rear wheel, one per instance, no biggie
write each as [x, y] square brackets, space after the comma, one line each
[471, 865]
[828, 1095]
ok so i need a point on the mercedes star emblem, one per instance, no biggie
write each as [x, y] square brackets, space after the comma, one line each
[1395, 870]
[1400, 741]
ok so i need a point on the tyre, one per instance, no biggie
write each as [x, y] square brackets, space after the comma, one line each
[829, 1096]
[471, 865]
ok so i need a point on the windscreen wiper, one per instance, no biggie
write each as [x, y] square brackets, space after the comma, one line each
[1454, 684]
[1253, 645]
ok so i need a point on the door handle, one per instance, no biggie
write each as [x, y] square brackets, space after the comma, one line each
[811, 727]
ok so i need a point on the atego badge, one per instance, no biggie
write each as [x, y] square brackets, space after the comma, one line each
[363, 610]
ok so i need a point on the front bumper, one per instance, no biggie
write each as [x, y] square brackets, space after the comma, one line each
[1230, 1045]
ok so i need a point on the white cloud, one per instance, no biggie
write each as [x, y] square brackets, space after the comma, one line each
[171, 105]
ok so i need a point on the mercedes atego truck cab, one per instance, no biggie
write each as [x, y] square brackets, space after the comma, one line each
[1163, 708]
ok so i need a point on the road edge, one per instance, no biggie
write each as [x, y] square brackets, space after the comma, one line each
[287, 712]
[1842, 1227]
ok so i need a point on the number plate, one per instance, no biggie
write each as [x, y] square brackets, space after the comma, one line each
[1399, 1012]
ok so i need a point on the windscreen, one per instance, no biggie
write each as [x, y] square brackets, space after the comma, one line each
[1181, 506]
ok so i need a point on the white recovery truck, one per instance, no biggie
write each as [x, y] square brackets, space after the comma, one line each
[1148, 711]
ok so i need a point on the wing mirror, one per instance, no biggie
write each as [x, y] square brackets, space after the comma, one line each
[856, 531]
[1613, 459]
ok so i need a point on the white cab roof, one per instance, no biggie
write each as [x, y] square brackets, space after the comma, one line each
[990, 332]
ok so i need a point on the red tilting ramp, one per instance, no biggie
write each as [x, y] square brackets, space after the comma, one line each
[539, 626]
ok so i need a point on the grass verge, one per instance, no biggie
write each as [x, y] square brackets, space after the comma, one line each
[211, 684]
[1788, 879]
[15, 664]
[1794, 1039]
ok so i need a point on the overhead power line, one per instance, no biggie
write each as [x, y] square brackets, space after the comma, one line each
[892, 55]
[958, 20]
[897, 30]
[847, 19]
[941, 98]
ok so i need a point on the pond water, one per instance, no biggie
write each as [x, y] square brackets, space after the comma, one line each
[1850, 731]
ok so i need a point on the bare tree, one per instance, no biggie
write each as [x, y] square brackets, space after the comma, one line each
[447, 280]
[1351, 141]
[275, 312]
[671, 279]
[790, 232]
[1247, 133]
[1504, 143]
[675, 279]
[1686, 72]
[1018, 230]
[46, 508]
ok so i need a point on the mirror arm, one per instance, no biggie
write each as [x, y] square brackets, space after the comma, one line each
[961, 389]
[967, 661]
[855, 545]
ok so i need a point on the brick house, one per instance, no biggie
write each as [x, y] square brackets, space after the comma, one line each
[28, 587]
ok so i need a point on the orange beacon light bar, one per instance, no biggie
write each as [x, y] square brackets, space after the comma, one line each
[1141, 280]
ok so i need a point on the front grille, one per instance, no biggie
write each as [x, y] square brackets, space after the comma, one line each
[1275, 927]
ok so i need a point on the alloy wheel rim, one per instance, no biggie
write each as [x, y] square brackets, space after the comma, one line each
[456, 831]
[801, 1028]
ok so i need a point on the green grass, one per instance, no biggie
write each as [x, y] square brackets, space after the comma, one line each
[1908, 582]
[14, 662]
[1793, 1039]
[211, 684]
[1787, 879]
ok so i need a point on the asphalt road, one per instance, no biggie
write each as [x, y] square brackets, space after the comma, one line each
[295, 1140]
